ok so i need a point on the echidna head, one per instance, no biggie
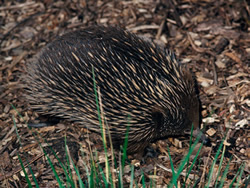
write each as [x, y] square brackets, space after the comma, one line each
[181, 111]
[176, 121]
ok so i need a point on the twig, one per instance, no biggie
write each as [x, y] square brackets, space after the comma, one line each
[215, 72]
[204, 169]
[143, 27]
[18, 6]
[159, 32]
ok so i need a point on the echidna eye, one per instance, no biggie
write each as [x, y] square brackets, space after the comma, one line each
[158, 118]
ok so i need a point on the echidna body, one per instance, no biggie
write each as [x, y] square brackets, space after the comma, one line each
[140, 84]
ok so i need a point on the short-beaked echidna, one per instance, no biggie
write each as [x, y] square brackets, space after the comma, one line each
[136, 79]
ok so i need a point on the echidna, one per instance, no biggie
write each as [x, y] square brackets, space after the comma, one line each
[136, 79]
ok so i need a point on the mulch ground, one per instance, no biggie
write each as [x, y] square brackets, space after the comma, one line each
[210, 36]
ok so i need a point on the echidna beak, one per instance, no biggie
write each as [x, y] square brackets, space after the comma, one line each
[198, 133]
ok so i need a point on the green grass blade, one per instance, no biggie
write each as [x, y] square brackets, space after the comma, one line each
[143, 179]
[197, 181]
[43, 151]
[190, 144]
[95, 180]
[172, 165]
[124, 156]
[183, 162]
[113, 160]
[92, 182]
[108, 171]
[220, 165]
[236, 175]
[59, 161]
[225, 173]
[132, 176]
[86, 167]
[120, 179]
[68, 179]
[171, 162]
[70, 161]
[53, 169]
[33, 176]
[25, 173]
[239, 177]
[87, 173]
[17, 113]
[103, 176]
[18, 137]
[19, 140]
[154, 180]
[78, 175]
[68, 173]
[210, 174]
[97, 104]
[193, 163]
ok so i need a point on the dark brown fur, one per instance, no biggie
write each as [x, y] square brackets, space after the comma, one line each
[136, 80]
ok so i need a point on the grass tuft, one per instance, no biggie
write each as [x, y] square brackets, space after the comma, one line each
[112, 175]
